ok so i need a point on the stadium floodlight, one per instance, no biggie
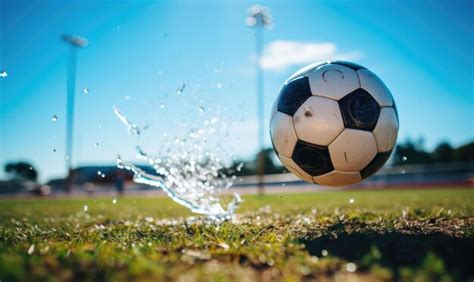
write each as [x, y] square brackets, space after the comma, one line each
[74, 43]
[259, 17]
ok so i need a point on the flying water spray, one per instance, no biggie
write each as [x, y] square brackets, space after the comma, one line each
[186, 170]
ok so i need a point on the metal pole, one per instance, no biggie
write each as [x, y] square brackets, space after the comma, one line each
[259, 17]
[260, 110]
[74, 42]
[71, 89]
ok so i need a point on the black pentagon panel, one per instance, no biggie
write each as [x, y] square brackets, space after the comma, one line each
[353, 66]
[293, 95]
[379, 160]
[313, 159]
[359, 110]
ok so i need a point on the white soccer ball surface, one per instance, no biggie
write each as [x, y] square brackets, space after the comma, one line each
[334, 123]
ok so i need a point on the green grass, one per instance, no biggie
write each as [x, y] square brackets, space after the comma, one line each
[423, 235]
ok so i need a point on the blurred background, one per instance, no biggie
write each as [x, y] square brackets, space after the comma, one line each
[172, 66]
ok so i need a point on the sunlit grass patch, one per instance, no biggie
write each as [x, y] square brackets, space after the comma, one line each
[379, 235]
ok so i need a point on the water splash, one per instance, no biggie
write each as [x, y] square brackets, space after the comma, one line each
[187, 171]
[132, 128]
[180, 89]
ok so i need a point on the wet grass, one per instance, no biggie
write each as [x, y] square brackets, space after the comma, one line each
[423, 235]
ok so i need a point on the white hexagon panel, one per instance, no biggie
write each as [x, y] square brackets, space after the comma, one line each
[338, 178]
[274, 108]
[283, 134]
[386, 130]
[305, 70]
[352, 150]
[318, 121]
[333, 81]
[375, 86]
[294, 168]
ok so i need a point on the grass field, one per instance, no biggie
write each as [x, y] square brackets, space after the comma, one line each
[423, 235]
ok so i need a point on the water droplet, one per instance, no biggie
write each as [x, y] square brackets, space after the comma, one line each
[96, 144]
[324, 253]
[99, 172]
[201, 109]
[118, 27]
[162, 106]
[86, 208]
[219, 85]
[213, 120]
[102, 175]
[351, 200]
[131, 127]
[351, 267]
[223, 245]
[404, 158]
[239, 167]
[3, 73]
[54, 118]
[403, 171]
[181, 88]
[54, 150]
[31, 249]
[100, 125]
[114, 201]
[86, 90]
[127, 97]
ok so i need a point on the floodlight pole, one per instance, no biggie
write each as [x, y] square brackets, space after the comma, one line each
[259, 18]
[74, 43]
[260, 110]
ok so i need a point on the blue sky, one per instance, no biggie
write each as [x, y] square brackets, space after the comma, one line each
[145, 50]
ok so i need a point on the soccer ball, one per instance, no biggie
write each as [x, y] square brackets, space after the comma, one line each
[334, 123]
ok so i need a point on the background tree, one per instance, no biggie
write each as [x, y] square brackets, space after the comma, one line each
[272, 165]
[443, 153]
[465, 153]
[415, 153]
[411, 153]
[21, 171]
